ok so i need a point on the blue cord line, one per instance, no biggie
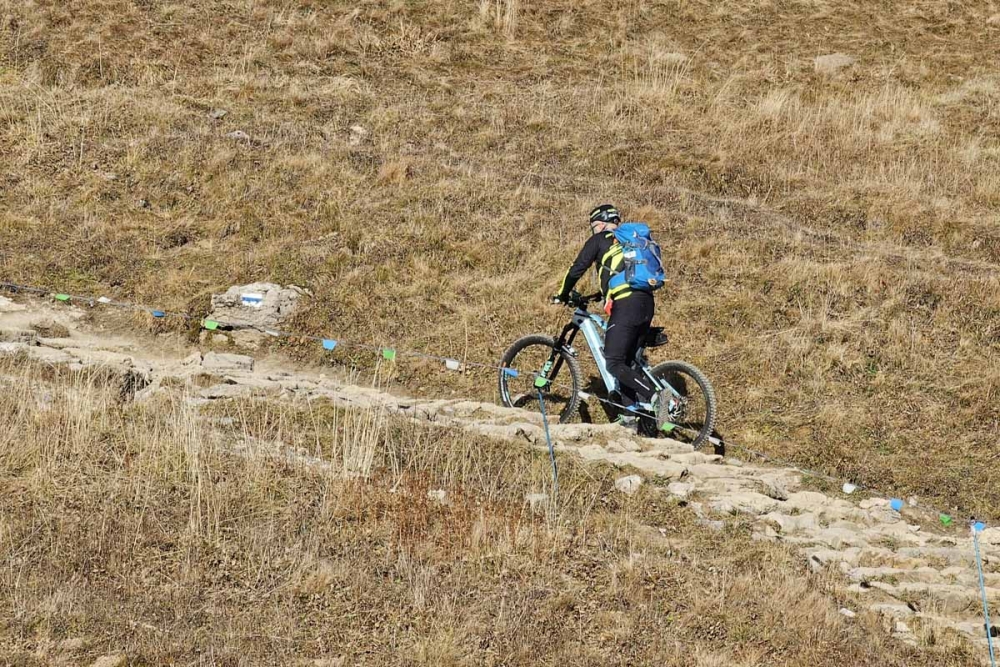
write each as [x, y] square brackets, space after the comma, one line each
[552, 452]
[982, 589]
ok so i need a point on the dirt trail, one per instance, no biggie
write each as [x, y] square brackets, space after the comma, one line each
[906, 567]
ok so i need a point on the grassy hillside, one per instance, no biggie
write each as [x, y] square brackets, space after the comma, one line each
[152, 533]
[424, 168]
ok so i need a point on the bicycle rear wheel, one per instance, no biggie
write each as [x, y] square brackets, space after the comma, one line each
[532, 361]
[692, 414]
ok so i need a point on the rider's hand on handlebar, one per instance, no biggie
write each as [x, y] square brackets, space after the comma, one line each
[556, 300]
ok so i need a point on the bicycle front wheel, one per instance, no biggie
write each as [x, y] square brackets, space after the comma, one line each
[534, 363]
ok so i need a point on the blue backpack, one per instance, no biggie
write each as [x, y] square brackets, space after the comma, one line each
[642, 269]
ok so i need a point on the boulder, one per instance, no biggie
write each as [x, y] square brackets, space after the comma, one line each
[628, 484]
[260, 306]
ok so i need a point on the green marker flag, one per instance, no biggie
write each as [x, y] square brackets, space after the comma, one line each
[541, 382]
[62, 297]
[388, 354]
[211, 325]
[945, 520]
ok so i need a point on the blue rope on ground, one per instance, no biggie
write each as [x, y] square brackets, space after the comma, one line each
[552, 451]
[976, 528]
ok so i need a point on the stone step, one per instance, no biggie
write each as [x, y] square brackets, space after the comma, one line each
[967, 624]
[948, 598]
[931, 555]
[925, 574]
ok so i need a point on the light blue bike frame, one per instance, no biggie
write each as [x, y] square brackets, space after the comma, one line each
[594, 327]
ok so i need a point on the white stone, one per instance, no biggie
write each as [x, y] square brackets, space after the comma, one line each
[625, 445]
[8, 306]
[110, 661]
[832, 63]
[893, 610]
[592, 452]
[774, 489]
[100, 357]
[226, 391]
[815, 564]
[680, 489]
[277, 304]
[48, 355]
[696, 458]
[844, 611]
[227, 363]
[747, 502]
[809, 501]
[629, 484]
[989, 536]
[439, 495]
[667, 470]
[793, 523]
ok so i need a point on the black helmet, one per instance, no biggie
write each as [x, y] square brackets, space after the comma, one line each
[605, 213]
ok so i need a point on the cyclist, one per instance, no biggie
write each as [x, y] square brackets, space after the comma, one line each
[630, 311]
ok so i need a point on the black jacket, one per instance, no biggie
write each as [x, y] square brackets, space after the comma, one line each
[604, 251]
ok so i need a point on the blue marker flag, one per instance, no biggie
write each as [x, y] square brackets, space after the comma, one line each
[510, 372]
[159, 313]
[979, 526]
[329, 344]
[896, 504]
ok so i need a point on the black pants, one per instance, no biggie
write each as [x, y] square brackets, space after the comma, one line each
[629, 323]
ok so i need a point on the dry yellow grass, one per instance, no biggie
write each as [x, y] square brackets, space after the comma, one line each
[833, 242]
[233, 537]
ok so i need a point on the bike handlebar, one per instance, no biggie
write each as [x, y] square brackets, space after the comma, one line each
[577, 300]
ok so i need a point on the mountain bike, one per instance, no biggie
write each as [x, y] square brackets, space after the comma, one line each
[540, 363]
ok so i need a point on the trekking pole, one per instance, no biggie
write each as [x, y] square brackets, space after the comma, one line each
[977, 527]
[552, 452]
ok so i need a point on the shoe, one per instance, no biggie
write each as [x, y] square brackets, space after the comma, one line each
[629, 422]
[663, 404]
